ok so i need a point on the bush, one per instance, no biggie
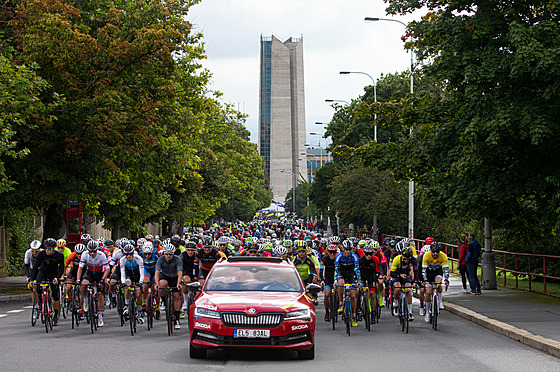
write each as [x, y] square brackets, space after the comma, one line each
[22, 232]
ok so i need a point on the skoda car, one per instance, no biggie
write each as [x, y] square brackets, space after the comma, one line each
[253, 302]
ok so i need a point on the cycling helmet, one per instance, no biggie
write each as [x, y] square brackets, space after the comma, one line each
[334, 239]
[140, 242]
[399, 247]
[35, 245]
[190, 244]
[435, 247]
[268, 247]
[309, 250]
[287, 243]
[49, 242]
[131, 241]
[92, 246]
[387, 240]
[175, 240]
[368, 249]
[407, 253]
[324, 241]
[429, 240]
[109, 242]
[301, 246]
[425, 249]
[85, 238]
[60, 243]
[79, 248]
[354, 240]
[156, 243]
[148, 248]
[280, 251]
[393, 243]
[347, 244]
[168, 248]
[332, 248]
[222, 240]
[375, 245]
[362, 243]
[128, 249]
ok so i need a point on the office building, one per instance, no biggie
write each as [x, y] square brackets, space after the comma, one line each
[282, 114]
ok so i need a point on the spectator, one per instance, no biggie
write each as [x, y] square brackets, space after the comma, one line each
[462, 264]
[473, 254]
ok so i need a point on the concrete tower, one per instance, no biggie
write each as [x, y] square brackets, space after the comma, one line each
[282, 114]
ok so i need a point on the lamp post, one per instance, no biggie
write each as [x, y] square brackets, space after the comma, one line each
[336, 100]
[374, 96]
[411, 182]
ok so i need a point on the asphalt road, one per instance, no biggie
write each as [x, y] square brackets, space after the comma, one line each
[458, 345]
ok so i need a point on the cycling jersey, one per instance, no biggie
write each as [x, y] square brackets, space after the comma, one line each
[117, 255]
[208, 260]
[95, 265]
[29, 262]
[399, 267]
[132, 269]
[328, 272]
[169, 269]
[305, 267]
[190, 265]
[435, 266]
[50, 265]
[150, 265]
[65, 252]
[343, 266]
[369, 268]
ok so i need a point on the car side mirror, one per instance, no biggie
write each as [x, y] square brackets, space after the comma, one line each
[313, 288]
[195, 286]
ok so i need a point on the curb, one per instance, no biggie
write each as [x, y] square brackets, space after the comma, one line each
[20, 297]
[525, 337]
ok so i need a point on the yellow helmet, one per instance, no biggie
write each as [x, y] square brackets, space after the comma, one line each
[61, 243]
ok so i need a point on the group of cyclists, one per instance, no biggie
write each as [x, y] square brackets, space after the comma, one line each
[171, 264]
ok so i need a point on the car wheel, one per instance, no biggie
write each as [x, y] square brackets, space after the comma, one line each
[197, 353]
[307, 354]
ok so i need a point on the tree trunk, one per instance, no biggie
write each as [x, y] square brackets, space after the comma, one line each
[54, 221]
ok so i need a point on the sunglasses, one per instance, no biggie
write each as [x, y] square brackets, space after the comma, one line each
[168, 254]
[48, 248]
[189, 250]
[368, 254]
[129, 254]
[252, 252]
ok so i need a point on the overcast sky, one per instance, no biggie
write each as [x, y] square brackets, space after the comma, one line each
[335, 38]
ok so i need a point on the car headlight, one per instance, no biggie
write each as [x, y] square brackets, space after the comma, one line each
[304, 314]
[205, 313]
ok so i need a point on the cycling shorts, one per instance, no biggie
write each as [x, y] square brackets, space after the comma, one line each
[203, 273]
[133, 276]
[116, 275]
[370, 281]
[402, 281]
[348, 277]
[94, 278]
[171, 282]
[55, 292]
[433, 274]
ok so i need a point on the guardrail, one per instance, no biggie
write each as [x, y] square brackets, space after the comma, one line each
[531, 265]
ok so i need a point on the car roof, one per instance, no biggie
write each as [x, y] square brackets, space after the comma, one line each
[258, 260]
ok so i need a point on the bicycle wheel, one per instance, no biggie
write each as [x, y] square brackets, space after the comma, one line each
[92, 312]
[120, 305]
[366, 312]
[435, 311]
[406, 318]
[63, 301]
[150, 311]
[35, 311]
[190, 300]
[348, 315]
[168, 314]
[46, 313]
[132, 313]
[334, 308]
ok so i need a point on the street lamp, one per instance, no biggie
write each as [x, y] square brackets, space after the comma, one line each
[374, 96]
[411, 182]
[289, 173]
[336, 100]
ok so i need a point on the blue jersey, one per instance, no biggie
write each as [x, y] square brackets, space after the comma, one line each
[346, 265]
[150, 264]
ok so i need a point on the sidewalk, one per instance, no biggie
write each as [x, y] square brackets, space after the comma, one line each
[530, 318]
[11, 284]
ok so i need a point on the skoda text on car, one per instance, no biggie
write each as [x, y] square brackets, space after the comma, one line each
[253, 302]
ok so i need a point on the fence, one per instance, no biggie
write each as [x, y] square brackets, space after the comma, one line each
[531, 265]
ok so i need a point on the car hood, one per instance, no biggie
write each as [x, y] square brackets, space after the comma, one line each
[260, 301]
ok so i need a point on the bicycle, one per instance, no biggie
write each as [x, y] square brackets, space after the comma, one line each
[120, 303]
[35, 310]
[403, 309]
[47, 311]
[132, 316]
[63, 299]
[347, 308]
[92, 312]
[193, 287]
[334, 307]
[366, 307]
[151, 306]
[434, 305]
[74, 304]
[169, 310]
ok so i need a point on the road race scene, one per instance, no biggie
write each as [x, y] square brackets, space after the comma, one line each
[280, 185]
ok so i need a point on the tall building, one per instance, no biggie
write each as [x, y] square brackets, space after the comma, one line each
[282, 114]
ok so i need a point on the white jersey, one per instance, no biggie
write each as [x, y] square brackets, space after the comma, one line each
[28, 259]
[136, 265]
[95, 265]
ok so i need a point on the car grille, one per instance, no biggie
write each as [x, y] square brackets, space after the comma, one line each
[290, 339]
[264, 320]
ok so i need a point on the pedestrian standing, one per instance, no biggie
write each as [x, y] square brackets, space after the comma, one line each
[473, 255]
[462, 264]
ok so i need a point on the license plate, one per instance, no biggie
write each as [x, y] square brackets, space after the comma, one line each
[251, 333]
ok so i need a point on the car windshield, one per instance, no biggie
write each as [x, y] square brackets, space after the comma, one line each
[253, 278]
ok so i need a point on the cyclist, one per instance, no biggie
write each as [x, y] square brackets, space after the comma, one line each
[169, 270]
[190, 268]
[304, 264]
[435, 268]
[208, 256]
[347, 270]
[71, 266]
[62, 248]
[280, 251]
[384, 270]
[327, 275]
[132, 271]
[49, 266]
[150, 260]
[29, 262]
[402, 272]
[97, 271]
[370, 269]
[176, 242]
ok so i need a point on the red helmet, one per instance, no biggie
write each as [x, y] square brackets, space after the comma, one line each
[429, 240]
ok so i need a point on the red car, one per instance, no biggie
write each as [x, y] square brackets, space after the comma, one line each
[253, 302]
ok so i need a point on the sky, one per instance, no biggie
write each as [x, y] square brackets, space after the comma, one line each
[335, 38]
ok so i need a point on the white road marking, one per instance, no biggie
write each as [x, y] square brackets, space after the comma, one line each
[3, 315]
[28, 307]
[15, 311]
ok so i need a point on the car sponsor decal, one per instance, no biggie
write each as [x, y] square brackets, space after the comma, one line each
[209, 307]
[203, 325]
[298, 327]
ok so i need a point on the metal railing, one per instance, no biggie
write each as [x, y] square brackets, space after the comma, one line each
[531, 265]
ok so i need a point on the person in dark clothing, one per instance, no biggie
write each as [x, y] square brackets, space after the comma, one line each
[462, 264]
[473, 254]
